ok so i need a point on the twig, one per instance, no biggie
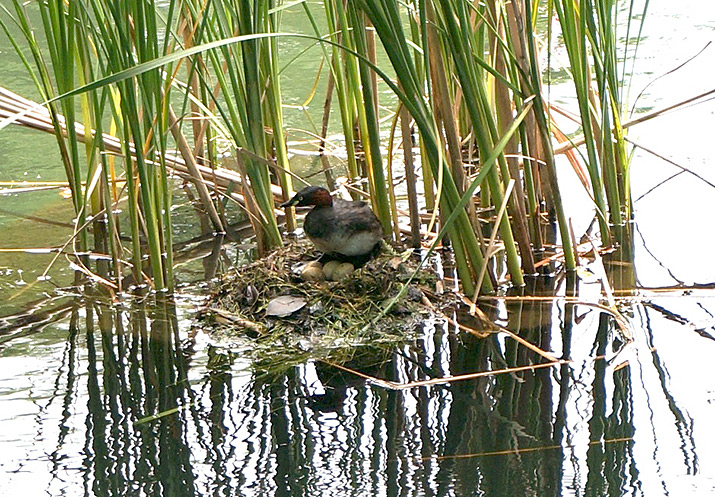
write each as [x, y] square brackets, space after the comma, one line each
[391, 385]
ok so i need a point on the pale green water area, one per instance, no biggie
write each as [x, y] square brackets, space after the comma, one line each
[619, 419]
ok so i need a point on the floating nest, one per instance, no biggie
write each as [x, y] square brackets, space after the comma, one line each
[279, 318]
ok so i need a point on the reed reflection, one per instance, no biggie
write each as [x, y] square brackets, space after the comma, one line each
[135, 369]
[158, 422]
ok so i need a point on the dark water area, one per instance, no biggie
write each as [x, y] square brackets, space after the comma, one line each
[130, 399]
[125, 401]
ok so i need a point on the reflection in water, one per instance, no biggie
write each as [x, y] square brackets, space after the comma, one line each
[136, 372]
[136, 410]
[609, 465]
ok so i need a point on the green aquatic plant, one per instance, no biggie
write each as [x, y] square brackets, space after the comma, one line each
[468, 78]
[120, 62]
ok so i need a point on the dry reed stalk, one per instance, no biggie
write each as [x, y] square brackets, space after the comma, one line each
[36, 117]
[391, 385]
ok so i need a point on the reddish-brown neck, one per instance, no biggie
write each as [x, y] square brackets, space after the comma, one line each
[321, 198]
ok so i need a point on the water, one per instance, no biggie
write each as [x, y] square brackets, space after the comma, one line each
[632, 422]
[619, 419]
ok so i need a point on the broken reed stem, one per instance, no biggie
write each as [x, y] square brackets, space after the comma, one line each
[38, 118]
[495, 328]
[391, 385]
[564, 147]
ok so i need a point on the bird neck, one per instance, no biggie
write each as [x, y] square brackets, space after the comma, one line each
[322, 198]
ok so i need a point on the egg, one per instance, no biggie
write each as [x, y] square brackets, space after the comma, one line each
[312, 271]
[330, 268]
[342, 271]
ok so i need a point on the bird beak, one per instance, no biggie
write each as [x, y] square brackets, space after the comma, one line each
[290, 203]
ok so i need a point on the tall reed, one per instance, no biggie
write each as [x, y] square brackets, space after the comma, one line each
[246, 94]
[590, 32]
[467, 75]
[92, 43]
[490, 51]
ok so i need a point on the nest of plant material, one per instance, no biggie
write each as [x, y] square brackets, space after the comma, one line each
[280, 318]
